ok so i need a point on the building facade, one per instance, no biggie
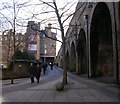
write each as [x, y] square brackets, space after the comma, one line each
[48, 45]
[94, 46]
[7, 45]
[39, 43]
[31, 36]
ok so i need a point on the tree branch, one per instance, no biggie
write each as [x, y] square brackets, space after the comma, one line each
[42, 31]
[6, 19]
[67, 9]
[74, 12]
[47, 3]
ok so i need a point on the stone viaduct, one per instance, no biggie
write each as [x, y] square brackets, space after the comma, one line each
[93, 40]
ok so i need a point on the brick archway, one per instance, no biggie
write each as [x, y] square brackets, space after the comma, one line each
[101, 45]
[81, 49]
[72, 57]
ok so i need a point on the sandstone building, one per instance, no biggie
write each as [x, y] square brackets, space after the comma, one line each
[6, 45]
[42, 47]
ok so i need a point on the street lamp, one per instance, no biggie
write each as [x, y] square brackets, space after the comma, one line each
[90, 5]
[88, 49]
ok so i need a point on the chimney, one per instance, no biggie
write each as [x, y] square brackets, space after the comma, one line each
[49, 26]
[48, 29]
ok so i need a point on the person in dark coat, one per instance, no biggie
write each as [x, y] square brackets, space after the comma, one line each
[44, 68]
[32, 72]
[38, 71]
[51, 65]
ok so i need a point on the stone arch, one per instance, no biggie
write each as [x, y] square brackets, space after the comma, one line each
[72, 57]
[82, 54]
[101, 47]
[67, 57]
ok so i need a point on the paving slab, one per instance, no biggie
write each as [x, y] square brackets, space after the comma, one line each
[77, 90]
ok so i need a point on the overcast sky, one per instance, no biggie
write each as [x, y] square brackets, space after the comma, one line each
[25, 14]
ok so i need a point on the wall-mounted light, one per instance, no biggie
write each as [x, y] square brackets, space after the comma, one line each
[90, 5]
[85, 16]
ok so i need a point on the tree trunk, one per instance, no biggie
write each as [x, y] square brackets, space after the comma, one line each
[64, 64]
[63, 48]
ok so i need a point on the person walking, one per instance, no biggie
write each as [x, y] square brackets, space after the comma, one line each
[38, 71]
[32, 72]
[44, 68]
[51, 65]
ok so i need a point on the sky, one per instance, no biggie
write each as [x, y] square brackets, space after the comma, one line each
[30, 11]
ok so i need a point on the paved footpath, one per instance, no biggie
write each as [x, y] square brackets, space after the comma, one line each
[77, 90]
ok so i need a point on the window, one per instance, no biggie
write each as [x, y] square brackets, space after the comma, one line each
[43, 35]
[32, 38]
[32, 47]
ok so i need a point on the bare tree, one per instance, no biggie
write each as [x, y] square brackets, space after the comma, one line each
[57, 18]
[12, 9]
[62, 15]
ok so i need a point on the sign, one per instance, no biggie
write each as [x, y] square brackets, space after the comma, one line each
[32, 47]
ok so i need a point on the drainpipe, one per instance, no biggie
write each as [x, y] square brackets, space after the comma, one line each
[116, 47]
[88, 49]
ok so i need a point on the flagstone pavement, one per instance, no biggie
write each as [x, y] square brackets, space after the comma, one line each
[78, 89]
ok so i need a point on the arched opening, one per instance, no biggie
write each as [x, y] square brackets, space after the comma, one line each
[67, 60]
[81, 49]
[101, 47]
[73, 58]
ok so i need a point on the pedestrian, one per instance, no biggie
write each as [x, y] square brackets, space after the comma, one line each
[44, 68]
[51, 65]
[38, 71]
[32, 72]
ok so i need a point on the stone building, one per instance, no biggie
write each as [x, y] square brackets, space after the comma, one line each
[47, 45]
[94, 46]
[39, 43]
[31, 38]
[6, 45]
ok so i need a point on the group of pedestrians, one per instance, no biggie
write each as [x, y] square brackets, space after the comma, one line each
[35, 70]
